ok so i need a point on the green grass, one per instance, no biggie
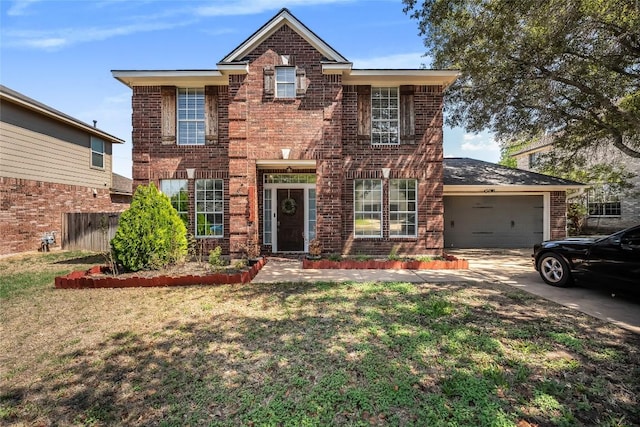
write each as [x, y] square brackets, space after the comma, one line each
[296, 354]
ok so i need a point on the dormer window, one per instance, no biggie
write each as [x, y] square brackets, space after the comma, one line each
[285, 82]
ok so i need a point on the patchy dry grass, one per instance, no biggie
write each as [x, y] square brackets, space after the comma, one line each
[305, 354]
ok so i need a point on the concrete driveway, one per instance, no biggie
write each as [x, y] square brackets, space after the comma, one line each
[514, 267]
[509, 266]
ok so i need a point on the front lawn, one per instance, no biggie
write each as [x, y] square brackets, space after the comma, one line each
[305, 354]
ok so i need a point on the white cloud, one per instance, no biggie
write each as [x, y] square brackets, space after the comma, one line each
[249, 7]
[398, 60]
[55, 39]
[479, 142]
[19, 7]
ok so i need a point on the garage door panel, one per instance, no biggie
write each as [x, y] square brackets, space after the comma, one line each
[493, 221]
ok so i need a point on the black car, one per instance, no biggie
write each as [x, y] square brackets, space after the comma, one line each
[613, 260]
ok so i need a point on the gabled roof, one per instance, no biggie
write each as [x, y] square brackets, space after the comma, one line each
[235, 63]
[15, 97]
[284, 17]
[490, 177]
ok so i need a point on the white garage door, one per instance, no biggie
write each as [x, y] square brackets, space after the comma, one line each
[493, 221]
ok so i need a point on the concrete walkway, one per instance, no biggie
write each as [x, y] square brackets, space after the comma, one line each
[512, 267]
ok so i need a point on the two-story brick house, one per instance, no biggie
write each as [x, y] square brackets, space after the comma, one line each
[285, 142]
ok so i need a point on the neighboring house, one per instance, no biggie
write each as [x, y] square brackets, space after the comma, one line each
[50, 164]
[608, 210]
[286, 142]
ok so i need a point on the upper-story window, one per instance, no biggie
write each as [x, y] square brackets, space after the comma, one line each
[385, 124]
[285, 82]
[97, 153]
[534, 160]
[191, 118]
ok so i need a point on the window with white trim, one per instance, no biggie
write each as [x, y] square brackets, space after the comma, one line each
[97, 153]
[209, 208]
[367, 196]
[603, 201]
[191, 121]
[385, 122]
[285, 82]
[267, 235]
[403, 211]
[178, 193]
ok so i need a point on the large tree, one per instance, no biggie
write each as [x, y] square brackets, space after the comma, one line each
[570, 67]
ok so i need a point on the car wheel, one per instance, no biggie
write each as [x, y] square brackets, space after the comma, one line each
[554, 270]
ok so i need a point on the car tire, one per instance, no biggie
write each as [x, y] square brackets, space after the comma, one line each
[554, 270]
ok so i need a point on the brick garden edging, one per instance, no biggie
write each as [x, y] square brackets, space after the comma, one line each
[449, 263]
[87, 279]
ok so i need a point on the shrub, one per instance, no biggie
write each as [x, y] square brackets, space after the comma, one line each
[150, 233]
[215, 258]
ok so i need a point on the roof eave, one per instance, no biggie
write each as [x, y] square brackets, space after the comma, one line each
[63, 118]
[183, 78]
[493, 189]
[396, 77]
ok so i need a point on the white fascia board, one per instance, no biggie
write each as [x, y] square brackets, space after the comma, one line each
[272, 26]
[63, 118]
[336, 67]
[234, 68]
[184, 78]
[449, 190]
[400, 77]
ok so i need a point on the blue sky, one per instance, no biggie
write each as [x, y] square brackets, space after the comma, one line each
[61, 53]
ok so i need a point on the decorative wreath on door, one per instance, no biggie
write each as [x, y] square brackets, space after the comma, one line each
[288, 206]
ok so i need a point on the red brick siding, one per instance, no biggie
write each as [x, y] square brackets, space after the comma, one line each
[28, 209]
[321, 126]
[558, 214]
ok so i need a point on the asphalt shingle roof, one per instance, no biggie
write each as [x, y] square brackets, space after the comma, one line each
[465, 171]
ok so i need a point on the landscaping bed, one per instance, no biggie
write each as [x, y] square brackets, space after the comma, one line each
[98, 277]
[448, 263]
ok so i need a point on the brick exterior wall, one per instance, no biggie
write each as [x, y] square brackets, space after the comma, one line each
[28, 209]
[558, 214]
[321, 125]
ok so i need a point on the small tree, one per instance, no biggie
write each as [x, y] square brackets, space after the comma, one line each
[150, 233]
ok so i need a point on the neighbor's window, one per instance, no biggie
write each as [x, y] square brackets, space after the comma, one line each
[403, 207]
[190, 116]
[534, 160]
[209, 208]
[603, 201]
[285, 82]
[97, 153]
[367, 196]
[385, 123]
[178, 193]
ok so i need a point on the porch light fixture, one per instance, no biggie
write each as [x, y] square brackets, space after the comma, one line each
[285, 153]
[385, 172]
[191, 173]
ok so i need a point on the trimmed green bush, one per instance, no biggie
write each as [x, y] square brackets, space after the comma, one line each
[150, 233]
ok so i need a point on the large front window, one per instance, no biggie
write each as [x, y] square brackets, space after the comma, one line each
[190, 116]
[209, 208]
[178, 193]
[385, 115]
[285, 82]
[402, 208]
[367, 195]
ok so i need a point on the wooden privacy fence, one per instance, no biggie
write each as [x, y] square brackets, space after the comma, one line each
[89, 231]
